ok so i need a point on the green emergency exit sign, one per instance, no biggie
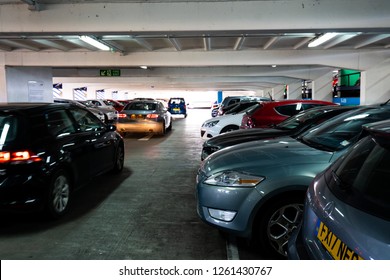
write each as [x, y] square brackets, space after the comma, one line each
[110, 72]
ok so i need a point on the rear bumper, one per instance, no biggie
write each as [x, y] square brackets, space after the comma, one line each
[22, 191]
[140, 127]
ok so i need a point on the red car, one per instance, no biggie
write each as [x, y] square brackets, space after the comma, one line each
[270, 113]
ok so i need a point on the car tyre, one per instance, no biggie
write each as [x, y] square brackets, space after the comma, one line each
[170, 126]
[119, 159]
[59, 194]
[275, 225]
[163, 130]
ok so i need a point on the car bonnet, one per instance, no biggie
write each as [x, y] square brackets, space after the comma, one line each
[264, 155]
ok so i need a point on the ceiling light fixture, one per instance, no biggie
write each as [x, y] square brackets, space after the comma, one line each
[93, 42]
[321, 39]
[143, 67]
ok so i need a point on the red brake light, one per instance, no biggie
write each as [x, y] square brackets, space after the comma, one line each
[18, 156]
[152, 116]
[250, 123]
[122, 115]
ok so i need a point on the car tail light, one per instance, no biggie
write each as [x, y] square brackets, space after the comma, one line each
[152, 116]
[19, 156]
[122, 115]
[250, 122]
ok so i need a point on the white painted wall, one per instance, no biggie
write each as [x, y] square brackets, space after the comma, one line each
[322, 87]
[294, 91]
[375, 84]
[27, 84]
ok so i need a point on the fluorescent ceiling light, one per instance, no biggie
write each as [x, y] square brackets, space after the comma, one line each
[322, 39]
[143, 67]
[95, 43]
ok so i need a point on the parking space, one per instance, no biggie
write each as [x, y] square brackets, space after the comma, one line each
[146, 212]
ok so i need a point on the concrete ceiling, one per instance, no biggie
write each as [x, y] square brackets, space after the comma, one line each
[198, 45]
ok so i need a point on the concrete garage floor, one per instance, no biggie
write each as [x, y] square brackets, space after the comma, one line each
[147, 212]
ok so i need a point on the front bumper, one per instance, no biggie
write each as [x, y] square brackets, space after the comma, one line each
[228, 200]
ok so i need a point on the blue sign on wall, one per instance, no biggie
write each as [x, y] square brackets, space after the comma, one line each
[346, 101]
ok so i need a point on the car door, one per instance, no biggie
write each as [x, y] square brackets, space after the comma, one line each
[100, 141]
[69, 146]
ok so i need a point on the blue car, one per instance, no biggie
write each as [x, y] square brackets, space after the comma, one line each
[347, 207]
[177, 106]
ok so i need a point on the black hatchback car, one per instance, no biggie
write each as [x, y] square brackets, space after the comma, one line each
[49, 150]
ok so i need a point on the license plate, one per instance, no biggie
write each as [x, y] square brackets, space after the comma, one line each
[334, 245]
[176, 109]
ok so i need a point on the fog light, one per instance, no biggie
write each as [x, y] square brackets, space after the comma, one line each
[223, 215]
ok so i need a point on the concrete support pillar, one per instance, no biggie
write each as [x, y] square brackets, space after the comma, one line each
[29, 84]
[374, 84]
[3, 85]
[322, 87]
[294, 91]
[278, 92]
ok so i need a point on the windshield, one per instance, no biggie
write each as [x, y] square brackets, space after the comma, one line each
[344, 130]
[141, 106]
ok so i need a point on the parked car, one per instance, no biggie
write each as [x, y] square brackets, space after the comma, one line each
[116, 104]
[239, 107]
[144, 116]
[95, 111]
[110, 114]
[347, 207]
[293, 126]
[177, 106]
[271, 113]
[221, 124]
[47, 151]
[257, 189]
[231, 100]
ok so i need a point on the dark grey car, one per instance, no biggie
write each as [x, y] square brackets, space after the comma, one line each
[292, 127]
[347, 207]
[257, 189]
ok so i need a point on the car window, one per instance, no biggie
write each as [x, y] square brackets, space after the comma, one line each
[289, 110]
[59, 123]
[306, 106]
[85, 120]
[343, 130]
[362, 178]
[141, 106]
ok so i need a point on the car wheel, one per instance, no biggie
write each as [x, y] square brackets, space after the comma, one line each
[119, 159]
[163, 130]
[229, 128]
[59, 194]
[276, 224]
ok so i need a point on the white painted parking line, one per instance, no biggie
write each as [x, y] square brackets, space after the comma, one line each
[231, 248]
[146, 138]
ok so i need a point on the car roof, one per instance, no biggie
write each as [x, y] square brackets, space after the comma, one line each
[26, 106]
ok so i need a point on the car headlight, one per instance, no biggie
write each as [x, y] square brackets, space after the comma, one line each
[233, 179]
[210, 124]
